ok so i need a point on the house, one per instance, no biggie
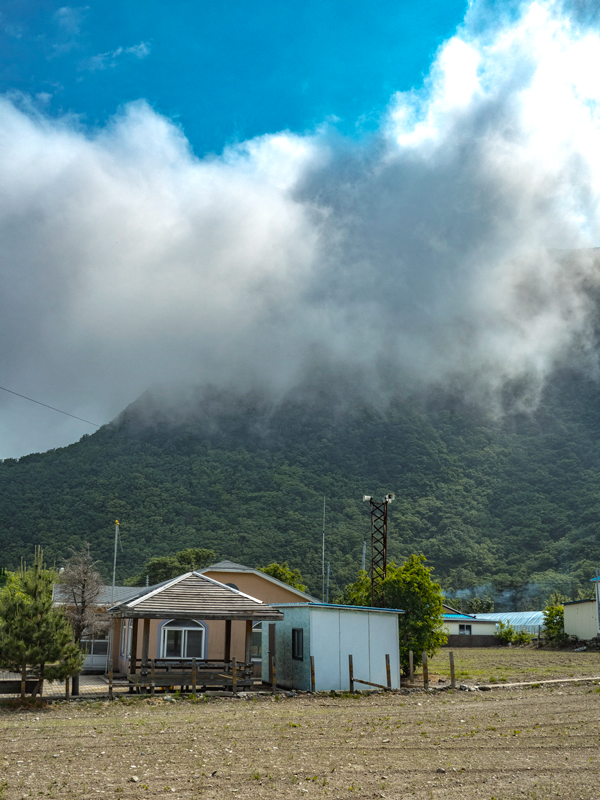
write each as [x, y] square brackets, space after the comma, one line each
[328, 634]
[173, 636]
[195, 618]
[466, 630]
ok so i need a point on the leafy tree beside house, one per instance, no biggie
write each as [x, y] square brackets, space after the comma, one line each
[554, 623]
[34, 635]
[409, 587]
[163, 568]
[284, 573]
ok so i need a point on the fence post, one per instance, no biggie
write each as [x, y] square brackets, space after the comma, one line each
[194, 676]
[273, 656]
[234, 675]
[411, 670]
[152, 676]
[452, 672]
[110, 679]
[351, 673]
[67, 679]
[539, 636]
[312, 673]
[425, 672]
[388, 671]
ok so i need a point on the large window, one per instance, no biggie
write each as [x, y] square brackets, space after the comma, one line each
[256, 649]
[126, 629]
[464, 629]
[182, 638]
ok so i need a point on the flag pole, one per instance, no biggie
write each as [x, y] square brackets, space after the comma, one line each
[112, 599]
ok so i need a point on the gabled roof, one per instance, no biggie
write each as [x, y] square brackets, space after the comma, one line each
[194, 596]
[231, 566]
[60, 594]
[451, 610]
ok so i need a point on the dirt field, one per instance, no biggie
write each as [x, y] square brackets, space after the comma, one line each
[535, 743]
[514, 664]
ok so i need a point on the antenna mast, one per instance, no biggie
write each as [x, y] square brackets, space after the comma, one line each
[323, 559]
[379, 515]
[112, 599]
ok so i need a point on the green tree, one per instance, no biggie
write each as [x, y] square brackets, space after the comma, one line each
[163, 568]
[554, 624]
[357, 593]
[283, 573]
[34, 635]
[409, 587]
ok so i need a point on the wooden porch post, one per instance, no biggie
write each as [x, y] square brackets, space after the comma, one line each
[227, 658]
[248, 653]
[146, 642]
[134, 647]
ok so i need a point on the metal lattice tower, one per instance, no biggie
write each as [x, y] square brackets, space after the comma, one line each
[379, 515]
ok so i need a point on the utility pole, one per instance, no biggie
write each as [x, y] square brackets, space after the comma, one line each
[323, 558]
[112, 599]
[364, 556]
[379, 516]
[327, 595]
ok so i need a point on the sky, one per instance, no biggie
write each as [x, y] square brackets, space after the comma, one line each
[247, 195]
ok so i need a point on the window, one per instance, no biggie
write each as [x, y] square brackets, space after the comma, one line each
[298, 644]
[233, 586]
[256, 649]
[464, 629]
[182, 638]
[126, 629]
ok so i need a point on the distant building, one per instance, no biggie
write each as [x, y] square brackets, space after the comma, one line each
[466, 630]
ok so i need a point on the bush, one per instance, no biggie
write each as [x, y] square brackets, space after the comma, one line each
[506, 633]
[554, 624]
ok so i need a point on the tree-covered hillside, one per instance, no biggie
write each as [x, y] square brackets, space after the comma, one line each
[511, 505]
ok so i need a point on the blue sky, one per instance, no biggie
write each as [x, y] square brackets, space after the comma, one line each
[224, 71]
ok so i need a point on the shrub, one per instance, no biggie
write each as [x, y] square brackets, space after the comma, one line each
[554, 624]
[506, 633]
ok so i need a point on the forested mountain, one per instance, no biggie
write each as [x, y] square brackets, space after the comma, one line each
[510, 505]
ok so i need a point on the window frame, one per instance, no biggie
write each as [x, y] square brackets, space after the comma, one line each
[198, 626]
[467, 630]
[298, 644]
[257, 628]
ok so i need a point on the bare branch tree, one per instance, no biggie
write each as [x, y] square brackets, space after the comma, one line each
[81, 587]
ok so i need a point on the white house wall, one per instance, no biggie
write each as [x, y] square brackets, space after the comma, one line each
[581, 620]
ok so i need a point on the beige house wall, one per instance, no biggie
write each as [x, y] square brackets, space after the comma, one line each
[478, 628]
[247, 582]
[581, 619]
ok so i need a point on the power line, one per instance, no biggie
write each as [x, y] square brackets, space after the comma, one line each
[51, 407]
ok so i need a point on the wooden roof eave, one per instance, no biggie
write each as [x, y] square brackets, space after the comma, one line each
[164, 613]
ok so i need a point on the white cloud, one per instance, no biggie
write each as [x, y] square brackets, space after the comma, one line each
[424, 253]
[112, 58]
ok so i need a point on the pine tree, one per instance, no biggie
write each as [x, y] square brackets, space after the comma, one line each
[33, 634]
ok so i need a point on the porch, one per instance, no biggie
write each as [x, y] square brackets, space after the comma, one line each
[184, 604]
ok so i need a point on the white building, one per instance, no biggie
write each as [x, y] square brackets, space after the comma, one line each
[330, 633]
[581, 619]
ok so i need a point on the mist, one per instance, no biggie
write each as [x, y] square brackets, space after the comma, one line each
[454, 244]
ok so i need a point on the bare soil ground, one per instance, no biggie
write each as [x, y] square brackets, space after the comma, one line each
[536, 743]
